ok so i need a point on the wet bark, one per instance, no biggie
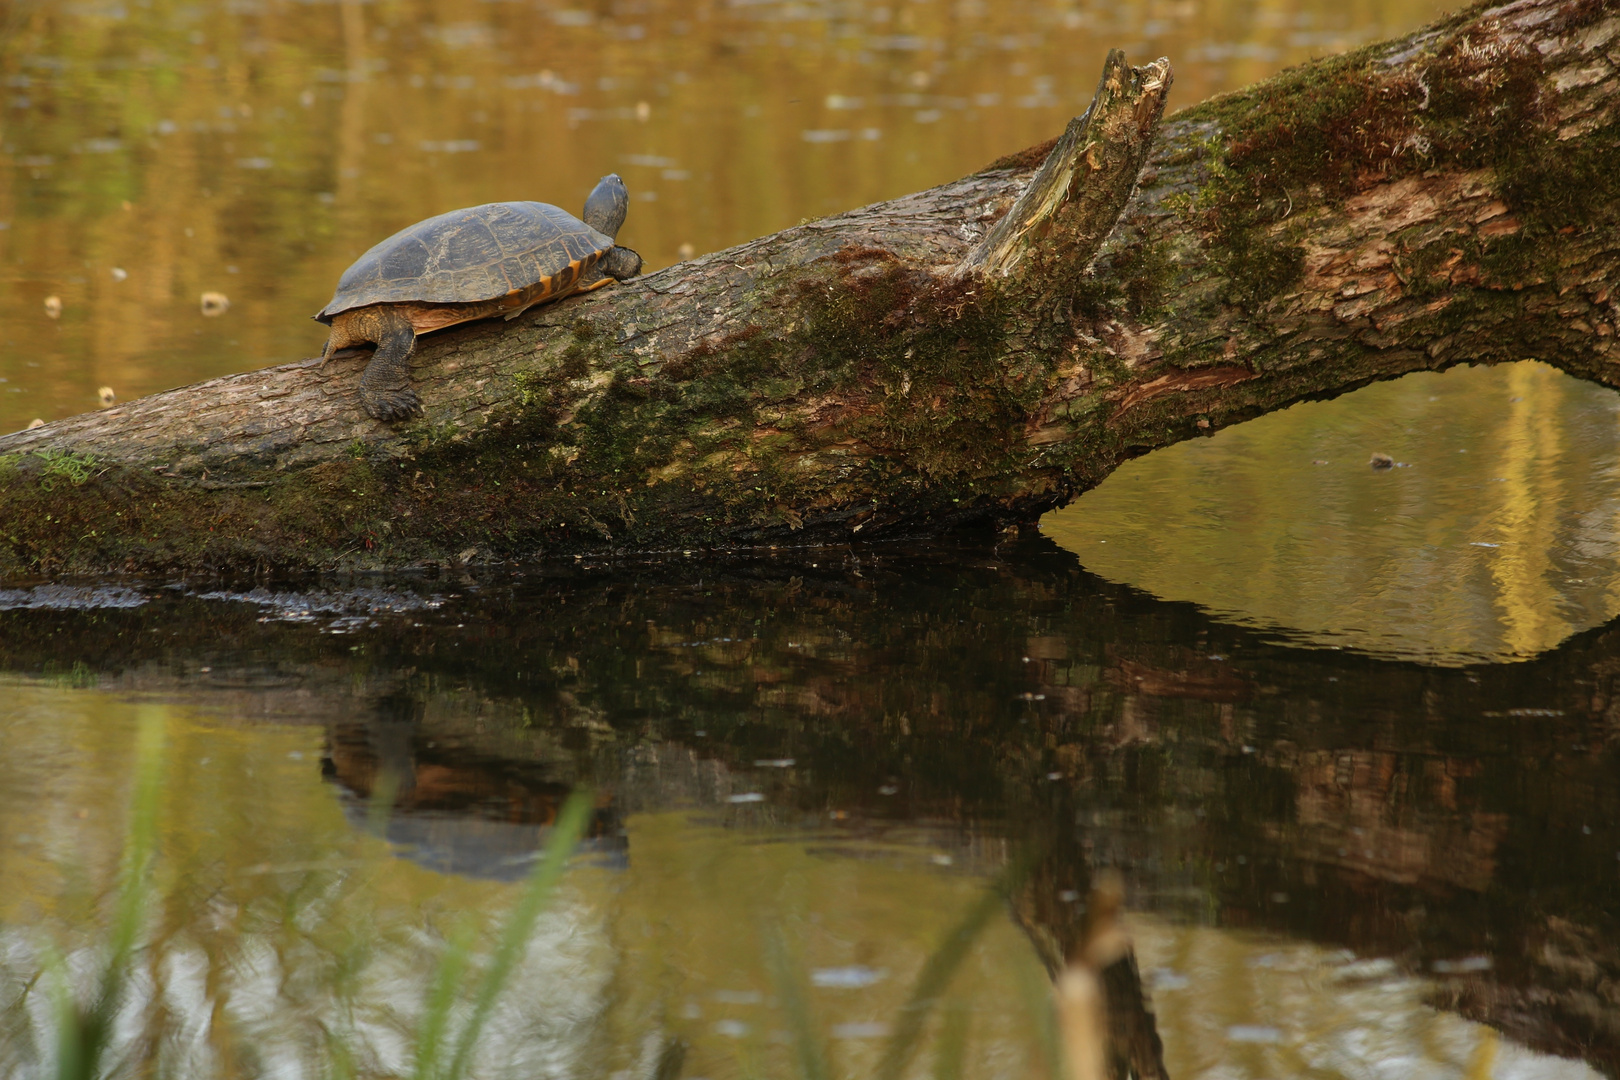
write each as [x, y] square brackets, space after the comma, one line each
[986, 350]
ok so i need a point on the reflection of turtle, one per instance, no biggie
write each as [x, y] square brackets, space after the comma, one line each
[496, 259]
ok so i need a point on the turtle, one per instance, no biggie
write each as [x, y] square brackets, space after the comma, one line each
[497, 259]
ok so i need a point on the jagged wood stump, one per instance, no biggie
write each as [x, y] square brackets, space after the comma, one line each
[986, 350]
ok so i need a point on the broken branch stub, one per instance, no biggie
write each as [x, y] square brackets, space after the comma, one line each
[1073, 201]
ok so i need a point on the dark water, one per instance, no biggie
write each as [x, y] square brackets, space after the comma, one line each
[854, 738]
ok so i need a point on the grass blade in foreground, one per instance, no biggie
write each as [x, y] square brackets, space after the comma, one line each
[441, 1001]
[936, 973]
[950, 1055]
[565, 835]
[82, 1037]
[808, 1047]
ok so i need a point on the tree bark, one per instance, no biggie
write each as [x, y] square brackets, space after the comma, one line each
[986, 350]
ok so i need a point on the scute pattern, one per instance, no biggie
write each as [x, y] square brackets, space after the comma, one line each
[469, 255]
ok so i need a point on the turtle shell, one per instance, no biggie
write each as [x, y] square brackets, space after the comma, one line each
[465, 256]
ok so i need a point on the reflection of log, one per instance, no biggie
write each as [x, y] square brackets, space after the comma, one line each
[1450, 197]
[1476, 809]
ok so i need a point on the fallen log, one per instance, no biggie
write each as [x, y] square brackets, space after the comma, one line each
[984, 351]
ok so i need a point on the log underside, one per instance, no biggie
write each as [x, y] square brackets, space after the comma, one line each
[986, 350]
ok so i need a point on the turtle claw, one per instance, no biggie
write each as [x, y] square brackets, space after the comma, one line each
[392, 405]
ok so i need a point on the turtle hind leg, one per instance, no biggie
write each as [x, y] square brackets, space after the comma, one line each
[385, 385]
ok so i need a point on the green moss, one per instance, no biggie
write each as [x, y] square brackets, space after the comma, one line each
[1420, 261]
[59, 465]
[1563, 186]
[78, 676]
[1145, 274]
[1028, 158]
[725, 443]
[1258, 266]
[1473, 100]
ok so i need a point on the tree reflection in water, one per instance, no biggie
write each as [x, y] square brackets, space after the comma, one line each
[765, 730]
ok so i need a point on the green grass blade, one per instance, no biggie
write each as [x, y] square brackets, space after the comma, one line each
[92, 1029]
[941, 966]
[670, 1059]
[1036, 990]
[339, 1058]
[809, 1050]
[384, 790]
[70, 1046]
[441, 1000]
[570, 826]
[950, 1055]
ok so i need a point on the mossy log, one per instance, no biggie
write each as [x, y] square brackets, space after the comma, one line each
[984, 351]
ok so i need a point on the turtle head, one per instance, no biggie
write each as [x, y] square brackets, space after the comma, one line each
[609, 202]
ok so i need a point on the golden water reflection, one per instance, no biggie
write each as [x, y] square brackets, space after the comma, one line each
[1494, 538]
[281, 921]
[152, 150]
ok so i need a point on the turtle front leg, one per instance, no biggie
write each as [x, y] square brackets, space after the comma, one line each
[385, 385]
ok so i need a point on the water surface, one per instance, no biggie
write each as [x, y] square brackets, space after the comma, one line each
[1332, 861]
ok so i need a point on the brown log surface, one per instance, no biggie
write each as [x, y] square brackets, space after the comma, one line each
[1450, 197]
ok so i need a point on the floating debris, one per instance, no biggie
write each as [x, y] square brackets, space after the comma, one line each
[215, 303]
[1253, 1033]
[120, 274]
[746, 797]
[1382, 461]
[1374, 970]
[106, 396]
[643, 111]
[70, 598]
[348, 608]
[36, 422]
[739, 997]
[1464, 966]
[686, 251]
[1163, 979]
[855, 977]
[53, 307]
